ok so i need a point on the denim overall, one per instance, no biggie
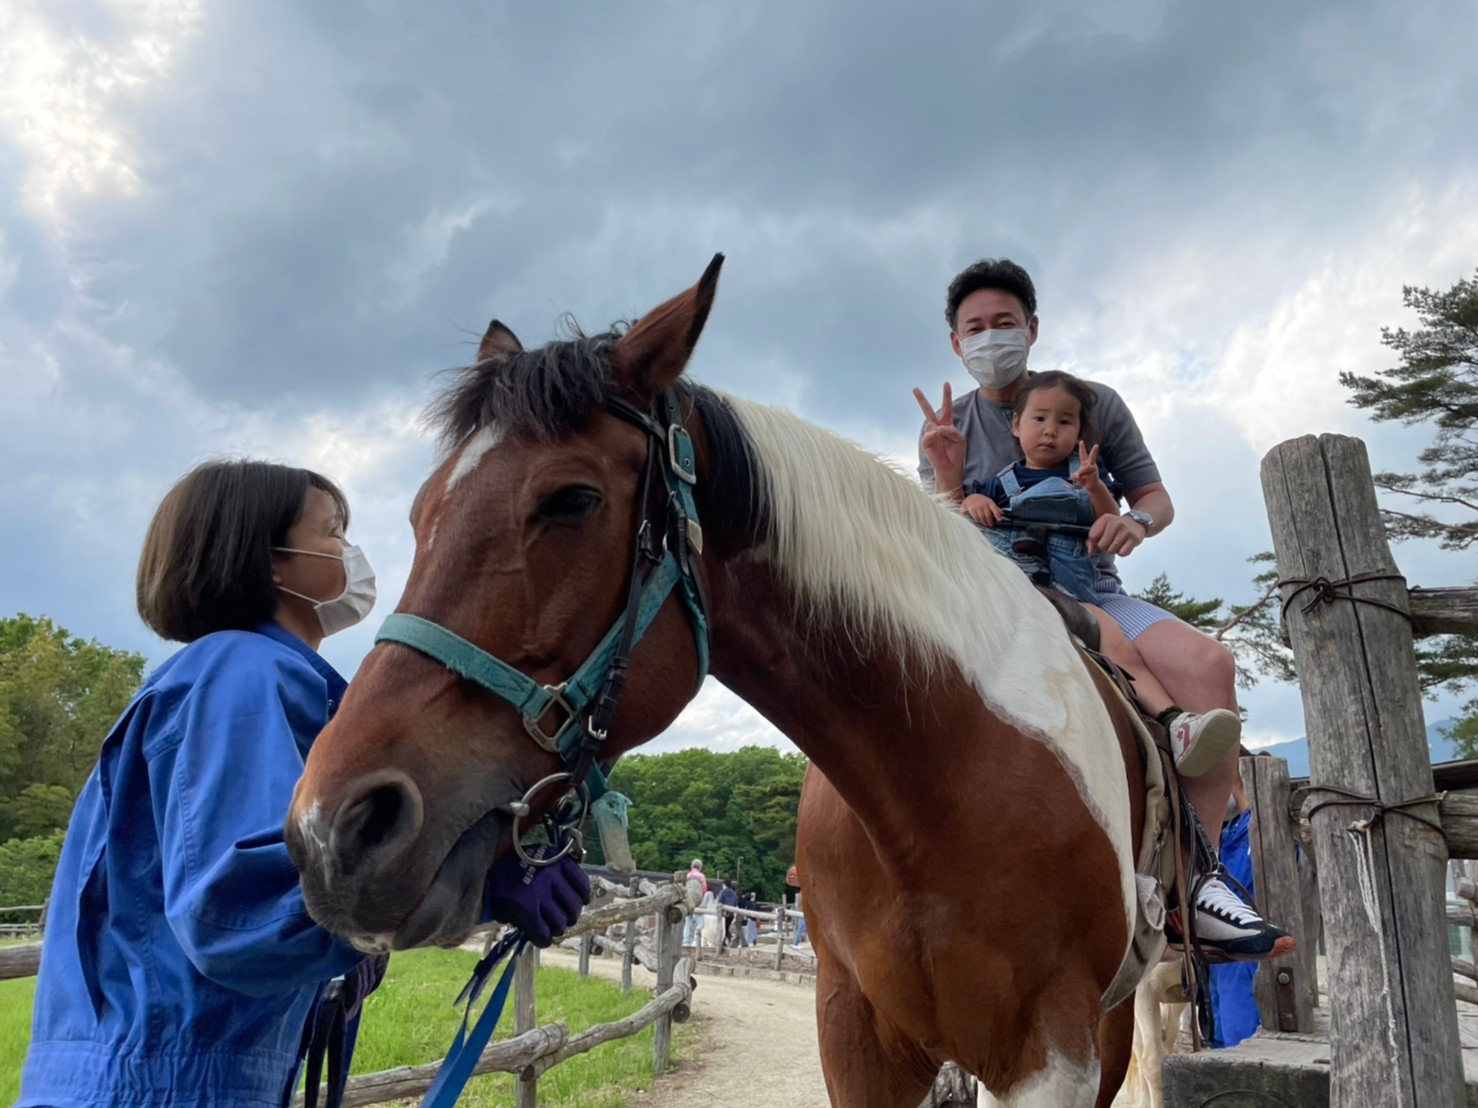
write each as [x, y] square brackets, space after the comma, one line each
[1039, 550]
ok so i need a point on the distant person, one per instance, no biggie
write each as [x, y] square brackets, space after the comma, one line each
[727, 898]
[693, 925]
[792, 878]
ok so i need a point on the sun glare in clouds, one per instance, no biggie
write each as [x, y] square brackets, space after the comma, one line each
[59, 90]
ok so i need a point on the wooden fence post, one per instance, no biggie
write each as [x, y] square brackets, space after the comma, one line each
[1394, 1032]
[669, 938]
[628, 954]
[525, 1086]
[587, 941]
[1285, 987]
[780, 916]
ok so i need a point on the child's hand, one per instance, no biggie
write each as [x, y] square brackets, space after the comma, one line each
[982, 509]
[1087, 476]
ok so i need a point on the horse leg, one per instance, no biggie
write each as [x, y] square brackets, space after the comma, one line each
[1115, 1047]
[864, 1064]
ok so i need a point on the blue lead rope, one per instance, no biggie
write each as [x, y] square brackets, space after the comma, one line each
[466, 1049]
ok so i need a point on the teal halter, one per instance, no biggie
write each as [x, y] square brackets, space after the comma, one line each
[584, 704]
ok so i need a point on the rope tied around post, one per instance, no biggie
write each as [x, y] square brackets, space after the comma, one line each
[1344, 798]
[1327, 592]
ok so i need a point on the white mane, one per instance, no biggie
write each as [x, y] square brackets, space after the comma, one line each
[860, 541]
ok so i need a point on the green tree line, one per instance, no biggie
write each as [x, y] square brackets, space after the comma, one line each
[59, 695]
[736, 811]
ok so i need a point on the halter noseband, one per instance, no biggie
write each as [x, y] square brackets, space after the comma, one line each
[586, 703]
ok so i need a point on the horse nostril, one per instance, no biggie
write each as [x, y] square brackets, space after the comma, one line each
[384, 818]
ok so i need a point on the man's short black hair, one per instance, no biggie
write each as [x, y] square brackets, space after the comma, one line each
[991, 273]
[207, 559]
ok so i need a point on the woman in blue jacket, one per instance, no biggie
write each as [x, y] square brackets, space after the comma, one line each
[179, 964]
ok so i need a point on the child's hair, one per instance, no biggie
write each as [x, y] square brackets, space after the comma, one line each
[207, 559]
[1075, 387]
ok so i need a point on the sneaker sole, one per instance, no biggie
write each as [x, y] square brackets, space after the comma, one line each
[1220, 737]
[1215, 956]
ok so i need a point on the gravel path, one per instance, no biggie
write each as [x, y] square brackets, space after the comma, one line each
[757, 1042]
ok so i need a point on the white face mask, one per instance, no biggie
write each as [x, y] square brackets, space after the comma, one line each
[995, 358]
[351, 605]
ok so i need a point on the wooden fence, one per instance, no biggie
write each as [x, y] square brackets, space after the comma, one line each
[1374, 828]
[535, 1049]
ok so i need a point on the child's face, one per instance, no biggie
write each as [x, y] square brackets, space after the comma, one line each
[1048, 428]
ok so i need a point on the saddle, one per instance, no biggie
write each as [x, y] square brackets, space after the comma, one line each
[1168, 821]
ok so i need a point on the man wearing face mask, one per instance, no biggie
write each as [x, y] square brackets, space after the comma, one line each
[991, 308]
[179, 964]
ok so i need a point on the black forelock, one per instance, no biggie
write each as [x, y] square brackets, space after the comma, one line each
[550, 391]
[554, 390]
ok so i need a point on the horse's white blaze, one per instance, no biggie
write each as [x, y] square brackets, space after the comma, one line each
[310, 827]
[850, 531]
[477, 444]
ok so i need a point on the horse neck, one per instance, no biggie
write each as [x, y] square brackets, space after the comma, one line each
[884, 732]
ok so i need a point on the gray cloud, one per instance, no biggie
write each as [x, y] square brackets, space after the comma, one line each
[331, 200]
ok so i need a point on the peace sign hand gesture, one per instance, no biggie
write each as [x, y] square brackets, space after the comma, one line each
[942, 442]
[1088, 476]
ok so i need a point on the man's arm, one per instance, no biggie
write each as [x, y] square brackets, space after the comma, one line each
[1154, 501]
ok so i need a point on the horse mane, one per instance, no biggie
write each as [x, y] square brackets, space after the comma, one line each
[858, 542]
[861, 543]
[549, 392]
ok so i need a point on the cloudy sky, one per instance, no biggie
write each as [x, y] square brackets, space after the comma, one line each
[261, 228]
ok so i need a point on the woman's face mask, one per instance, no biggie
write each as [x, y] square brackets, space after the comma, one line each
[995, 358]
[351, 605]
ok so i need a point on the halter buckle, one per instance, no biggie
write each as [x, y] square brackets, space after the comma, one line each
[550, 742]
[680, 457]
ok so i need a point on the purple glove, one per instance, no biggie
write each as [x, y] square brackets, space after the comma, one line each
[541, 901]
[364, 980]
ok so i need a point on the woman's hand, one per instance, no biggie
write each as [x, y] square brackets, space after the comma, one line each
[982, 509]
[942, 442]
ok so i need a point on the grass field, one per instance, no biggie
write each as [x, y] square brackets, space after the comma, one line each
[410, 1020]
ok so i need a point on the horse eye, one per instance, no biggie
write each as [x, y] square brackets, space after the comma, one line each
[569, 503]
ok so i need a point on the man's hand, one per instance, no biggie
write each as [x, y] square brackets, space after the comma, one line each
[942, 442]
[1088, 477]
[541, 901]
[982, 509]
[1113, 534]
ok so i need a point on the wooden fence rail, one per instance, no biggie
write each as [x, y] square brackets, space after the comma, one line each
[535, 1050]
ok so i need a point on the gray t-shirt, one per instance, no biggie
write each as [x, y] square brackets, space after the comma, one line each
[990, 447]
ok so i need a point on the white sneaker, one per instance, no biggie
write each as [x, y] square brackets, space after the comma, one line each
[1200, 741]
[1227, 926]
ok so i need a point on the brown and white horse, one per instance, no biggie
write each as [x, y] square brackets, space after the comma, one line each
[967, 825]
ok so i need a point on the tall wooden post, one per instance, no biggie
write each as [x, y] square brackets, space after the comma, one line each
[1393, 1017]
[1285, 987]
[526, 1086]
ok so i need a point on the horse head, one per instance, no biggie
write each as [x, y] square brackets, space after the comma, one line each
[546, 491]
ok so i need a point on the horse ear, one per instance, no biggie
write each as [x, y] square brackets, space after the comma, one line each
[497, 342]
[652, 355]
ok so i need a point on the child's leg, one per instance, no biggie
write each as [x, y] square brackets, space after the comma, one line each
[1113, 645]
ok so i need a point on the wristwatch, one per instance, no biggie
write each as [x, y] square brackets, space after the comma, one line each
[1143, 518]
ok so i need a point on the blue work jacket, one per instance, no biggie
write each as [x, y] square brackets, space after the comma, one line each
[179, 963]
